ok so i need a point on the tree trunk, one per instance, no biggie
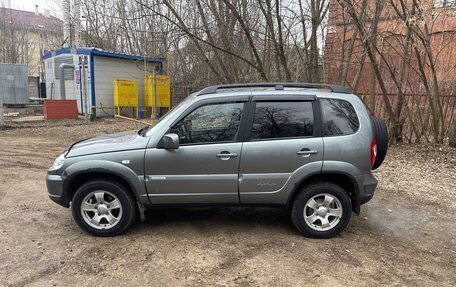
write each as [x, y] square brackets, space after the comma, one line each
[452, 133]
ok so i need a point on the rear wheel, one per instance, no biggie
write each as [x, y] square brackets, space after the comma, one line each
[321, 210]
[103, 208]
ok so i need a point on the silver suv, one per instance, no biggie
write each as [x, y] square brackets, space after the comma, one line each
[307, 147]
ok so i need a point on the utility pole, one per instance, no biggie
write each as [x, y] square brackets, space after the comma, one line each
[155, 94]
[66, 23]
[77, 24]
[83, 62]
[86, 33]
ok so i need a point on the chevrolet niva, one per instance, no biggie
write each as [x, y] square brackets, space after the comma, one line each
[310, 148]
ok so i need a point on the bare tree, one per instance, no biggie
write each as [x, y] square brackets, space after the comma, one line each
[15, 45]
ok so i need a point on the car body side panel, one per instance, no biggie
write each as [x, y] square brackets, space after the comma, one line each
[281, 196]
[269, 170]
[350, 153]
[336, 166]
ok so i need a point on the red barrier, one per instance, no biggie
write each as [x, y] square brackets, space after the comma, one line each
[60, 109]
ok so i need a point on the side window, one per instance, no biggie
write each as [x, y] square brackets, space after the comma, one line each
[339, 117]
[210, 123]
[282, 120]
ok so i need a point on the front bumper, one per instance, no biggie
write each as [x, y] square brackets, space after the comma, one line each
[54, 185]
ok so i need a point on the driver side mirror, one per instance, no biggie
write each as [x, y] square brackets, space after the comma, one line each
[170, 141]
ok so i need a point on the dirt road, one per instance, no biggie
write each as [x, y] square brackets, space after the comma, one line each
[405, 236]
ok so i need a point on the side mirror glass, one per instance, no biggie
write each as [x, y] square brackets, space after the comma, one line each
[170, 141]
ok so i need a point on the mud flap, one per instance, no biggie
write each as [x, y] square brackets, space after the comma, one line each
[356, 206]
[141, 209]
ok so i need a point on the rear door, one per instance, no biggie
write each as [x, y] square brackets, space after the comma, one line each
[283, 145]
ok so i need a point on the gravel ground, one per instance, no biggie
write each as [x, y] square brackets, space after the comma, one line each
[405, 236]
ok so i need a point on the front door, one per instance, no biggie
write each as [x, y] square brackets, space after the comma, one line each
[204, 169]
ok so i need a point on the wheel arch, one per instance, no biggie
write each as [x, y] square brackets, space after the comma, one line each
[77, 180]
[346, 181]
[77, 174]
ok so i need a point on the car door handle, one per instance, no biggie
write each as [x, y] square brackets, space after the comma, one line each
[306, 152]
[226, 155]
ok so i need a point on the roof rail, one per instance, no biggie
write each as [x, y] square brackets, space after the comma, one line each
[277, 86]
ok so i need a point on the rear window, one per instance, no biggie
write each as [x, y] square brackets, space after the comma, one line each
[339, 117]
[282, 120]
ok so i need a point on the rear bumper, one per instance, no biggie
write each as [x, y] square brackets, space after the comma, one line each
[367, 184]
[54, 185]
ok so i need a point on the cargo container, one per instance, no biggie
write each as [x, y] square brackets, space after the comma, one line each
[14, 84]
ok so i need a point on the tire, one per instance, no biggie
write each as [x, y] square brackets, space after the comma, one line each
[340, 206]
[108, 208]
[381, 137]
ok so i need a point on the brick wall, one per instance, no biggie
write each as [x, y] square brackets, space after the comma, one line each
[391, 33]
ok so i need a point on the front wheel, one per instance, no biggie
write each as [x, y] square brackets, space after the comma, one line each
[321, 210]
[103, 208]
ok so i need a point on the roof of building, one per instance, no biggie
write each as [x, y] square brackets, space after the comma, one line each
[102, 53]
[31, 20]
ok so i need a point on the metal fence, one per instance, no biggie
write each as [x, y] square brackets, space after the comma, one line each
[14, 84]
[1, 111]
[34, 87]
[415, 119]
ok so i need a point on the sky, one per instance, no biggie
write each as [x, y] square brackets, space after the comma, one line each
[29, 5]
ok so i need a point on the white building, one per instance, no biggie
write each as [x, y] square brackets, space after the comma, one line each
[103, 68]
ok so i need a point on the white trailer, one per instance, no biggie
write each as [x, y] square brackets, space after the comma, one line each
[103, 68]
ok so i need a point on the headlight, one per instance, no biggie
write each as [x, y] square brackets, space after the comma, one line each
[58, 163]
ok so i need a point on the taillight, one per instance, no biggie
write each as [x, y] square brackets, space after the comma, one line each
[373, 151]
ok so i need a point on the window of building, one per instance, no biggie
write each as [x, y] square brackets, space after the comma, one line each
[69, 73]
[282, 120]
[444, 3]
